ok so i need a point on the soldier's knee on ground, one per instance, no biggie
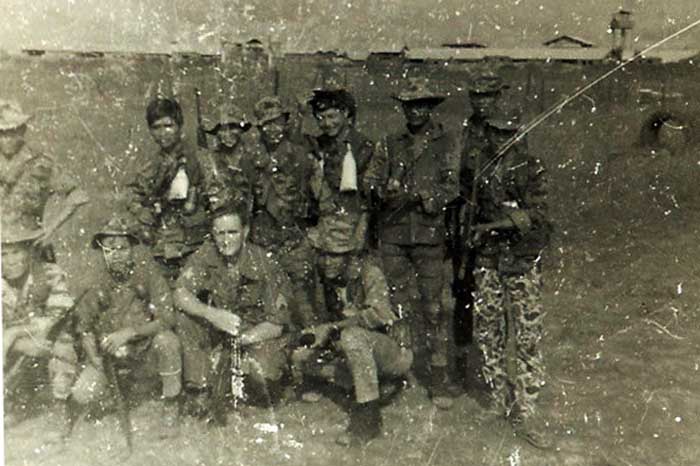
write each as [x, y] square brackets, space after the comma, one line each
[167, 343]
[90, 386]
[266, 363]
[353, 339]
[167, 347]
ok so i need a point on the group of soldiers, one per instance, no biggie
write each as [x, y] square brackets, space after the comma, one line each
[268, 259]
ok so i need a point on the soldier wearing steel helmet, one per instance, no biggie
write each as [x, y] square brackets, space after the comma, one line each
[35, 301]
[416, 179]
[129, 318]
[511, 228]
[281, 198]
[225, 164]
[32, 192]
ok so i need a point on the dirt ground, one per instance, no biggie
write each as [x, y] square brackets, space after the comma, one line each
[621, 346]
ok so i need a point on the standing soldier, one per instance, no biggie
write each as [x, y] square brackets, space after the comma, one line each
[166, 196]
[232, 293]
[342, 156]
[124, 323]
[509, 232]
[35, 302]
[226, 177]
[354, 348]
[416, 179]
[484, 93]
[32, 193]
[282, 171]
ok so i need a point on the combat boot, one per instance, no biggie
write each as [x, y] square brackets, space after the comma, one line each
[533, 429]
[170, 418]
[365, 424]
[439, 393]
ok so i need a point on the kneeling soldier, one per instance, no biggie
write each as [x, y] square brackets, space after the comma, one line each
[356, 340]
[233, 287]
[35, 302]
[126, 324]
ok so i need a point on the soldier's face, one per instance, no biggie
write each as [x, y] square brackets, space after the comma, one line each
[332, 121]
[499, 138]
[229, 136]
[418, 112]
[11, 141]
[15, 261]
[333, 268]
[273, 131]
[229, 234]
[482, 104]
[118, 253]
[166, 132]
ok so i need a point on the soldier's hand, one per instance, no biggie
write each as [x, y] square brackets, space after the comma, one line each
[112, 342]
[350, 312]
[321, 333]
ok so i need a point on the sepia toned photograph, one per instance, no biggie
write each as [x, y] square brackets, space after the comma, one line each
[359, 232]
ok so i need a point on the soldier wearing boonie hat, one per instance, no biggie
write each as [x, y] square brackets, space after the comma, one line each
[511, 227]
[35, 298]
[129, 317]
[281, 200]
[28, 179]
[419, 168]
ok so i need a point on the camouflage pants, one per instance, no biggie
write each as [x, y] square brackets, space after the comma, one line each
[498, 294]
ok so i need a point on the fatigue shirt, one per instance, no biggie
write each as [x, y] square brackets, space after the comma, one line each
[177, 232]
[514, 186]
[27, 181]
[367, 293]
[226, 177]
[257, 291]
[42, 294]
[425, 165]
[341, 214]
[142, 298]
[281, 196]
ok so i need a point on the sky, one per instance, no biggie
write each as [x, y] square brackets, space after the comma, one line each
[311, 25]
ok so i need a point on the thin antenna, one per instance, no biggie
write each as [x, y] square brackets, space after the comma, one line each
[568, 99]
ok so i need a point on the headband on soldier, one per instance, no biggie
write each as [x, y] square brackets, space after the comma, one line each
[342, 100]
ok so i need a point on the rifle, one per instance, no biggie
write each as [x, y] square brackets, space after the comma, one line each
[108, 362]
[11, 375]
[201, 134]
[229, 377]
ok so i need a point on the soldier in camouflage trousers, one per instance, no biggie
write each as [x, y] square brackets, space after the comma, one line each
[510, 231]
